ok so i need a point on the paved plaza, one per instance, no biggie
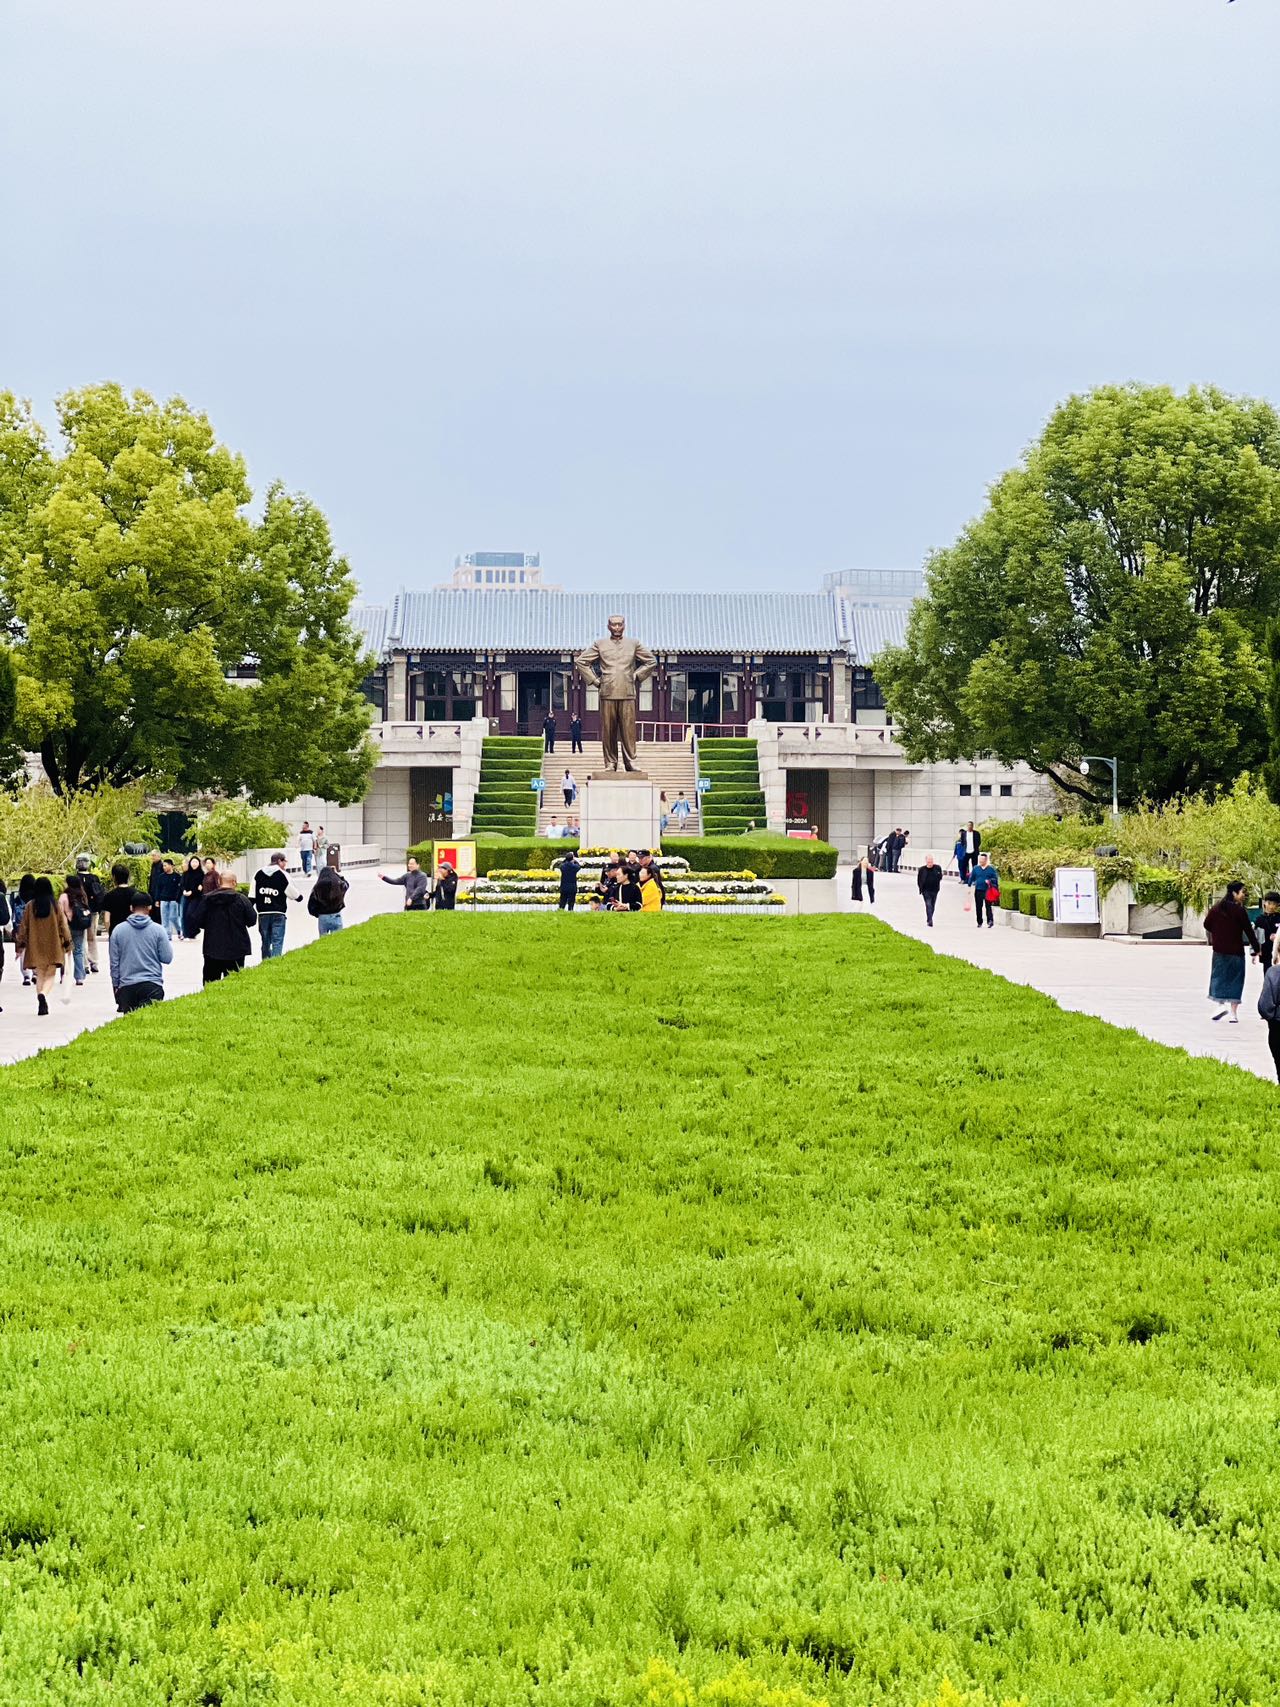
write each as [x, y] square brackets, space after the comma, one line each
[1156, 988]
[72, 1011]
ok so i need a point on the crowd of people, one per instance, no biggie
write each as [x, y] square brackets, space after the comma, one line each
[187, 902]
[630, 884]
[422, 892]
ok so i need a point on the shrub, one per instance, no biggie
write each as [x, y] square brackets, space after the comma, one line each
[768, 854]
[44, 831]
[516, 852]
[231, 827]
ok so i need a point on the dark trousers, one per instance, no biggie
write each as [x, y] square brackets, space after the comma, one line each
[980, 900]
[568, 900]
[963, 862]
[930, 902]
[131, 996]
[549, 742]
[216, 969]
[575, 745]
[1273, 1039]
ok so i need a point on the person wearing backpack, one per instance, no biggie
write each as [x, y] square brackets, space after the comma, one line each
[327, 899]
[271, 896]
[95, 889]
[74, 902]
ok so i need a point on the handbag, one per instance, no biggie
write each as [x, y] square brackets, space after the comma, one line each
[993, 896]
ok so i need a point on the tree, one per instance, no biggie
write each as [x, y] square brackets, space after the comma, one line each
[134, 584]
[232, 827]
[43, 832]
[1271, 770]
[1111, 599]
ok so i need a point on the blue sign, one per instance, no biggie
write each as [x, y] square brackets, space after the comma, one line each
[537, 785]
[704, 784]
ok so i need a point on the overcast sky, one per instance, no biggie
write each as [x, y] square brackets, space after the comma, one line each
[694, 293]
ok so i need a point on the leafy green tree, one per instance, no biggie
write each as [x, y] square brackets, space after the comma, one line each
[135, 583]
[231, 827]
[1111, 599]
[1271, 770]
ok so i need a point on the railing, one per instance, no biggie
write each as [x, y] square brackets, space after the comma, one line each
[411, 734]
[690, 732]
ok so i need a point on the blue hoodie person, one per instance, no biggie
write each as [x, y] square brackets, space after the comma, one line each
[139, 952]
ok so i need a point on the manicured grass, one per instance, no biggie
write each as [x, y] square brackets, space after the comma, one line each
[478, 1310]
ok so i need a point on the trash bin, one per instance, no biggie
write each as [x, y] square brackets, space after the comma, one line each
[333, 855]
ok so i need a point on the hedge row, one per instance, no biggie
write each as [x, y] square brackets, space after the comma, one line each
[765, 852]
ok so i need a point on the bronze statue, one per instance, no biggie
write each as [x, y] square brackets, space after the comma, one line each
[615, 666]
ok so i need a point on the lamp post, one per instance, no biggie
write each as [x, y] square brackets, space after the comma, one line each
[1094, 759]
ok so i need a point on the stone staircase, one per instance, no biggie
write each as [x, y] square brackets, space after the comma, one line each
[668, 764]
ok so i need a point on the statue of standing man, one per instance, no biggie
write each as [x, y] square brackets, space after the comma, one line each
[616, 665]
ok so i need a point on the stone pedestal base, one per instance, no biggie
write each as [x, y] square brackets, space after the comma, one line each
[619, 812]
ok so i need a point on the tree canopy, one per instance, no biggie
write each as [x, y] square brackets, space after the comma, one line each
[1112, 599]
[135, 587]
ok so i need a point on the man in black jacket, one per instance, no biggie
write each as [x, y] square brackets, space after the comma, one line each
[928, 882]
[575, 734]
[94, 889]
[549, 732]
[224, 916]
[570, 866]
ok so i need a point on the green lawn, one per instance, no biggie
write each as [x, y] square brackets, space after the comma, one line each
[480, 1310]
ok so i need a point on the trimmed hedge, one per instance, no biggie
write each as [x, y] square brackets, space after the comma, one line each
[504, 801]
[765, 852]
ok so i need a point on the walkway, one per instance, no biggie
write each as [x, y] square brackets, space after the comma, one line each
[1156, 988]
[72, 1011]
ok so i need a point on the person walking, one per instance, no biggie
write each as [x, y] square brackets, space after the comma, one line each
[44, 940]
[984, 880]
[192, 884]
[864, 881]
[224, 916]
[138, 952]
[327, 899]
[321, 846]
[971, 842]
[929, 882]
[271, 898]
[168, 891]
[445, 894]
[306, 847]
[21, 901]
[74, 902]
[117, 903]
[415, 885]
[153, 884]
[575, 734]
[569, 787]
[93, 888]
[549, 732]
[961, 857]
[1266, 925]
[570, 866]
[1269, 1010]
[681, 809]
[1228, 928]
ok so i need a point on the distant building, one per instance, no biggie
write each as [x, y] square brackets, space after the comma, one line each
[497, 571]
[877, 589]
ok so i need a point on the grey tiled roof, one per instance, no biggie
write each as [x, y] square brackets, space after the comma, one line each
[370, 622]
[870, 631]
[565, 622]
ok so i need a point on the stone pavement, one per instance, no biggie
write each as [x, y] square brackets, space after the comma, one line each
[71, 1011]
[1156, 988]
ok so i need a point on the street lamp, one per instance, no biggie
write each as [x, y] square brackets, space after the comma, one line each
[1094, 759]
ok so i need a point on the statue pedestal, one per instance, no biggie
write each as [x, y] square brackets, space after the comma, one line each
[618, 812]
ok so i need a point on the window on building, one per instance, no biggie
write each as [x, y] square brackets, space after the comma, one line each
[984, 788]
[866, 691]
[731, 698]
[593, 698]
[559, 690]
[966, 790]
[1006, 791]
[644, 696]
[507, 690]
[678, 695]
